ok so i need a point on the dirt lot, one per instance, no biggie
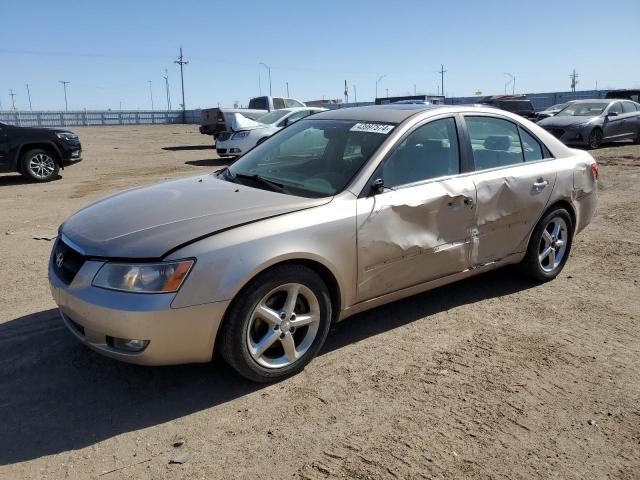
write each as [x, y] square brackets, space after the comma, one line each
[490, 378]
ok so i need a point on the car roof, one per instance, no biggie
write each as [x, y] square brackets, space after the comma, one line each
[392, 112]
[598, 100]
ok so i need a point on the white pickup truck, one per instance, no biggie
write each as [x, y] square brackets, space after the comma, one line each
[213, 121]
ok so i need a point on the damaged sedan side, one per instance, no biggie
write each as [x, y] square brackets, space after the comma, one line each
[336, 214]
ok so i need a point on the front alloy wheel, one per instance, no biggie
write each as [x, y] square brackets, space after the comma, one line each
[553, 245]
[595, 138]
[39, 165]
[276, 324]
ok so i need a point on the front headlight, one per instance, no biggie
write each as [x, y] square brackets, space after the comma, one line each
[240, 134]
[143, 278]
[66, 136]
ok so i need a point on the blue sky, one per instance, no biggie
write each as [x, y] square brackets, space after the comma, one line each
[110, 50]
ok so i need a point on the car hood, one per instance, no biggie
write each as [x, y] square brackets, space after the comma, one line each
[149, 222]
[556, 121]
[240, 122]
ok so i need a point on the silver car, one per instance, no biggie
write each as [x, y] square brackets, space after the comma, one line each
[336, 214]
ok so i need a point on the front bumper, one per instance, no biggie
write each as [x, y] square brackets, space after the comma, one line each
[570, 136]
[95, 316]
[229, 148]
[71, 152]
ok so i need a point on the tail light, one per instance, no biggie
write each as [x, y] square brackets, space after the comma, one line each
[595, 171]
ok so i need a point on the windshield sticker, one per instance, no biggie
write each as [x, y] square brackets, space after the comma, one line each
[372, 128]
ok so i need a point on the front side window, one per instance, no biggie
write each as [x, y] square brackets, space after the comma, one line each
[531, 147]
[616, 107]
[313, 158]
[495, 142]
[291, 103]
[430, 151]
[278, 103]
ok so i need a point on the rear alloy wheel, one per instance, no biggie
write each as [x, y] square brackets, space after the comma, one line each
[549, 246]
[39, 165]
[276, 324]
[595, 138]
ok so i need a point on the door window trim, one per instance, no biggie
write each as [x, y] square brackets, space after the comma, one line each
[547, 153]
[463, 162]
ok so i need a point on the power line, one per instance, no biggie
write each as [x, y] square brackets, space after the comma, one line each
[64, 85]
[181, 61]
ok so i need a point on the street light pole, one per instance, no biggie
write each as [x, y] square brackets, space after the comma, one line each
[269, 70]
[288, 89]
[64, 85]
[166, 84]
[151, 94]
[378, 81]
[513, 81]
[355, 95]
[29, 96]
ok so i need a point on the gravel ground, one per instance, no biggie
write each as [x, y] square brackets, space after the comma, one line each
[492, 377]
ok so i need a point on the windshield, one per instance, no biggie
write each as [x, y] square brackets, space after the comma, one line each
[272, 117]
[589, 109]
[312, 158]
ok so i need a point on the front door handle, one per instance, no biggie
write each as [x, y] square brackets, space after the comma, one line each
[540, 184]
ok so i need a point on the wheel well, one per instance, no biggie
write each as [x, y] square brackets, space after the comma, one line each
[31, 146]
[567, 206]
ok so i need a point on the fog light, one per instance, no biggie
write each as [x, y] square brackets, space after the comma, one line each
[127, 344]
[235, 150]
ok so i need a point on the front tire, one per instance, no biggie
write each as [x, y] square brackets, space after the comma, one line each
[549, 246]
[595, 139]
[39, 165]
[276, 324]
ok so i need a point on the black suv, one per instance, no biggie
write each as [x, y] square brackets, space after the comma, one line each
[37, 153]
[518, 104]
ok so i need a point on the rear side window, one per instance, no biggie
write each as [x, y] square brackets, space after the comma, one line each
[495, 142]
[430, 151]
[259, 103]
[628, 107]
[278, 103]
[531, 147]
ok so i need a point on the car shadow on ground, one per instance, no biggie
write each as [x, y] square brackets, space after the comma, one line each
[189, 147]
[17, 179]
[210, 162]
[56, 395]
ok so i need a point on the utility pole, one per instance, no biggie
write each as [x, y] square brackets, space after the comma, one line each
[387, 92]
[64, 85]
[355, 95]
[346, 92]
[151, 94]
[287, 89]
[414, 89]
[269, 70]
[378, 81]
[11, 94]
[442, 72]
[29, 96]
[166, 84]
[574, 80]
[181, 62]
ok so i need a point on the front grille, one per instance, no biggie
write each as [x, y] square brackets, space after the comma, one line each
[71, 260]
[224, 135]
[221, 150]
[556, 132]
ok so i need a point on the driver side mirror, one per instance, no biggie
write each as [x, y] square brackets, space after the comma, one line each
[612, 114]
[377, 186]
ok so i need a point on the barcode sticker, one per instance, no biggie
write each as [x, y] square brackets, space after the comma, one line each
[372, 128]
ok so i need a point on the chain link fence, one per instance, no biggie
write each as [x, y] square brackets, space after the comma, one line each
[97, 117]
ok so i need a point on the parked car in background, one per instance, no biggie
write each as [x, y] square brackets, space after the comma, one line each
[518, 104]
[627, 94]
[340, 212]
[246, 133]
[592, 122]
[550, 111]
[37, 153]
[216, 120]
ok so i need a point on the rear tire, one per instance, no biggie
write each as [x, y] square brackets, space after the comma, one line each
[637, 139]
[595, 139]
[549, 246]
[39, 165]
[276, 324]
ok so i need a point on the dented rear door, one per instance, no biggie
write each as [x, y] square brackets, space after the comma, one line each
[414, 234]
[510, 203]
